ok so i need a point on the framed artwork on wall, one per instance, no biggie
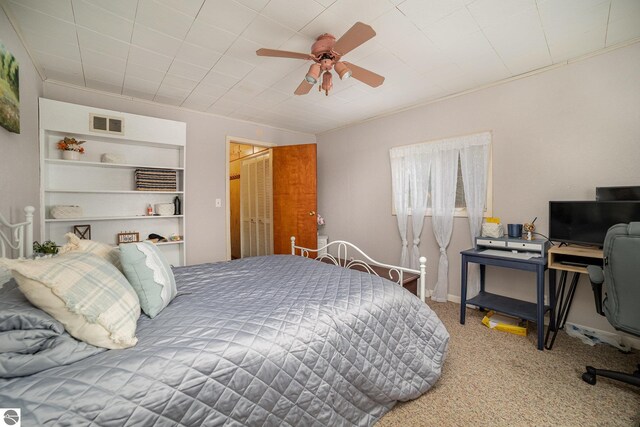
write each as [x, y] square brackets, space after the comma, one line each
[82, 231]
[128, 237]
[9, 91]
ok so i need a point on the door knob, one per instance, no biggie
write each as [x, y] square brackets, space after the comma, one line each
[312, 213]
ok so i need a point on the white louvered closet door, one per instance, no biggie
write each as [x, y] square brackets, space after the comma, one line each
[256, 206]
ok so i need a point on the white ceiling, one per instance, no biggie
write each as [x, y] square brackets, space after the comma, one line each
[200, 54]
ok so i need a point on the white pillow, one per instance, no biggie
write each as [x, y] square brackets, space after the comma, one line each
[85, 293]
[108, 252]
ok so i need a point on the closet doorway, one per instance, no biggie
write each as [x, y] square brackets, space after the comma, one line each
[269, 222]
[250, 199]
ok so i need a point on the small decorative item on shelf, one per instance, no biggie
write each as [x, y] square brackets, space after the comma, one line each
[65, 211]
[156, 238]
[177, 206]
[82, 231]
[492, 228]
[529, 228]
[175, 238]
[44, 249]
[71, 148]
[111, 158]
[164, 209]
[128, 237]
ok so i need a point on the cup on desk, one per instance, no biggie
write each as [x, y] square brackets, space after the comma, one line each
[514, 230]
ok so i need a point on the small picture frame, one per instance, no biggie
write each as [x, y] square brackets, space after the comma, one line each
[82, 231]
[128, 237]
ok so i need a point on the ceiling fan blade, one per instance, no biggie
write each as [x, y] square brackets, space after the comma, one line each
[364, 75]
[303, 88]
[353, 38]
[282, 54]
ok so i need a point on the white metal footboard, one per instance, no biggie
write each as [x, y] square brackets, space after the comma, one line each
[17, 237]
[346, 260]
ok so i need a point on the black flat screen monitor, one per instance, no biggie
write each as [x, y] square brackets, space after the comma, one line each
[608, 194]
[587, 222]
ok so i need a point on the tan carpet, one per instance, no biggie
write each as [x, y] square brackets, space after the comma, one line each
[493, 378]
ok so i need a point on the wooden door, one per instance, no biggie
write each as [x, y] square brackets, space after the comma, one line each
[294, 197]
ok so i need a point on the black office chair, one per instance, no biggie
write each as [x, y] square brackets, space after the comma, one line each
[622, 299]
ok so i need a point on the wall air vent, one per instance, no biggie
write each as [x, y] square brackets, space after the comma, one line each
[106, 124]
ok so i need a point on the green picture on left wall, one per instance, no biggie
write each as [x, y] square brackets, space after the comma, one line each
[9, 91]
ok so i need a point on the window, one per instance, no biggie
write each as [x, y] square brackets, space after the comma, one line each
[461, 208]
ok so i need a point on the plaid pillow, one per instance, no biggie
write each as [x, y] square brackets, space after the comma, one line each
[85, 293]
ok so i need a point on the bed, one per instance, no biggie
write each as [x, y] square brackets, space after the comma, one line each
[277, 340]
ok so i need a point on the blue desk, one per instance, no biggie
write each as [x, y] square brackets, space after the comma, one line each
[511, 306]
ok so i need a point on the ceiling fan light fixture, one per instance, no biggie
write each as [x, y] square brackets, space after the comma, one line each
[343, 71]
[314, 74]
[326, 82]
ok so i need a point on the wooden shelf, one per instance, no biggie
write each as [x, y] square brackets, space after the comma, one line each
[109, 165]
[584, 254]
[112, 218]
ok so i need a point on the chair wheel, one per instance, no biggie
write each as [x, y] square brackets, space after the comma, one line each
[589, 378]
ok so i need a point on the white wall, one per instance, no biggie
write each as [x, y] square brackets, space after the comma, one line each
[556, 136]
[206, 160]
[19, 152]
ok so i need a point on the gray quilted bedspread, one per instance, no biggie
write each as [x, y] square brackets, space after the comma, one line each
[277, 340]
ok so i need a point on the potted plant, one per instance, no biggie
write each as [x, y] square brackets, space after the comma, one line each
[71, 148]
[44, 249]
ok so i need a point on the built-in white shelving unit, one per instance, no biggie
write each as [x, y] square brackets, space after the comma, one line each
[106, 192]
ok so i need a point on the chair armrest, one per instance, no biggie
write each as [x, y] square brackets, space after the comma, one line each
[596, 276]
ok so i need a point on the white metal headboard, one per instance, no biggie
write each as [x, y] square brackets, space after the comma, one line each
[18, 237]
[343, 259]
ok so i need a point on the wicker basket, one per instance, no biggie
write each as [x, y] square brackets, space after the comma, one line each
[65, 211]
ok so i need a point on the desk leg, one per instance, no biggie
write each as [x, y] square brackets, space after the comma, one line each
[463, 289]
[540, 306]
[482, 274]
[552, 300]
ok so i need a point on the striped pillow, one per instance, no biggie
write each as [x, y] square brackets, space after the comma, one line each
[103, 250]
[85, 293]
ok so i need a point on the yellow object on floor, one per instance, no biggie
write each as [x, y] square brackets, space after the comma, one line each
[504, 323]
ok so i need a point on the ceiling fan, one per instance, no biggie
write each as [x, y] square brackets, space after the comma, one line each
[326, 53]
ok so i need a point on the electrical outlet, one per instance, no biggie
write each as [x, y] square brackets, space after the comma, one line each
[218, 203]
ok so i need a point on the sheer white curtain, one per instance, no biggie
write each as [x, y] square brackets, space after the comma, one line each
[444, 178]
[474, 162]
[420, 170]
[400, 188]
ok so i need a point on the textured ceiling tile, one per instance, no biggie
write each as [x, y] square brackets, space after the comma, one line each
[425, 13]
[123, 8]
[197, 55]
[294, 14]
[97, 59]
[44, 25]
[233, 67]
[267, 32]
[155, 41]
[494, 12]
[189, 71]
[142, 72]
[51, 46]
[188, 7]
[228, 15]
[60, 9]
[163, 18]
[147, 58]
[98, 19]
[209, 37]
[101, 43]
